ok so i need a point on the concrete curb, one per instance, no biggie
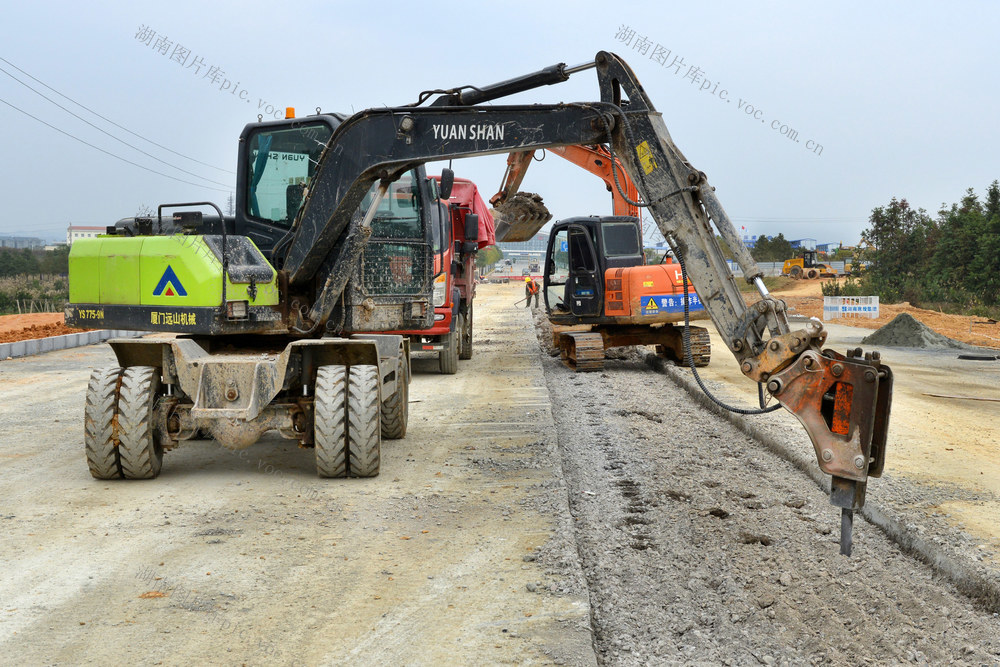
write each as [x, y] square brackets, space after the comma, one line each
[27, 348]
[970, 579]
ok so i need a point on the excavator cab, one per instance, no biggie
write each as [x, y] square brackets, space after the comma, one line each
[580, 252]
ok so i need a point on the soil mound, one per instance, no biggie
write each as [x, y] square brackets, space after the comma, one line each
[37, 331]
[905, 331]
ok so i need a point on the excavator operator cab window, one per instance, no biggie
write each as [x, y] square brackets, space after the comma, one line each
[581, 257]
[620, 239]
[281, 163]
[558, 272]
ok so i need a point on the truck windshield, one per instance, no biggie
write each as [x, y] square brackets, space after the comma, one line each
[282, 162]
[398, 214]
[396, 258]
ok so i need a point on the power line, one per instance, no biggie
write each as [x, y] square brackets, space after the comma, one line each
[108, 120]
[121, 141]
[117, 157]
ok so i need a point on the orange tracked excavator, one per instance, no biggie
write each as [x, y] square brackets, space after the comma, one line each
[596, 274]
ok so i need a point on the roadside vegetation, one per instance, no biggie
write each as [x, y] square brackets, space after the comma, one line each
[949, 262]
[35, 279]
[488, 256]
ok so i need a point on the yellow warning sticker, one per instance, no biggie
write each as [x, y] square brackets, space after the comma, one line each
[647, 283]
[646, 157]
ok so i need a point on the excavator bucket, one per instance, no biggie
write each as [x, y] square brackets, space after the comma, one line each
[520, 217]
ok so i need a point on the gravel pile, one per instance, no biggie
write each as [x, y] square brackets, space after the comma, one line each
[905, 331]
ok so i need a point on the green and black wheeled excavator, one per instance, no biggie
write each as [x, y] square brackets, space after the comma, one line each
[270, 308]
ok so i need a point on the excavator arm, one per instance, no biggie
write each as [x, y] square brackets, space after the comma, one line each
[595, 159]
[842, 401]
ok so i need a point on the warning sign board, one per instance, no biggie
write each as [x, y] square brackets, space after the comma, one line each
[654, 304]
[646, 157]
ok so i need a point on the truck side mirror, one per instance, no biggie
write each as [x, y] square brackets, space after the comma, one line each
[447, 180]
[472, 227]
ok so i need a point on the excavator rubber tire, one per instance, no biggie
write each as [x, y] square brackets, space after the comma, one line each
[98, 423]
[448, 357]
[582, 351]
[465, 346]
[139, 449]
[364, 429]
[330, 421]
[395, 407]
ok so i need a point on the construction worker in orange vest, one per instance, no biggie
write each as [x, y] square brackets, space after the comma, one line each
[530, 290]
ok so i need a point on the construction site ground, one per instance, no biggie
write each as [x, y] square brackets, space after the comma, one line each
[944, 436]
[32, 325]
[530, 516]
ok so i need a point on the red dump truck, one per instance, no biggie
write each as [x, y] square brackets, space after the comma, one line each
[463, 228]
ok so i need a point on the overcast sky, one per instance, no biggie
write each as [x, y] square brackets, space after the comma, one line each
[902, 96]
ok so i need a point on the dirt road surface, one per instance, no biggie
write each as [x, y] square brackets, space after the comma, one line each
[531, 516]
[460, 552]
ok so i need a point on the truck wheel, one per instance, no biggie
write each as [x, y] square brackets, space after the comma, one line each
[395, 407]
[448, 357]
[364, 441]
[465, 348]
[330, 421]
[98, 423]
[139, 448]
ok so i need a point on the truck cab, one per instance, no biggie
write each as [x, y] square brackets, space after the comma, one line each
[462, 226]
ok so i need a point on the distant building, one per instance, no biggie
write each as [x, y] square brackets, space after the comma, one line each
[533, 249]
[828, 247]
[74, 232]
[803, 244]
[751, 240]
[20, 242]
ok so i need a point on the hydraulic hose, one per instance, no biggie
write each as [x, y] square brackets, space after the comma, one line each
[689, 358]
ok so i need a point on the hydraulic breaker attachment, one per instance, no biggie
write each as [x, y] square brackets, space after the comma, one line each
[843, 403]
